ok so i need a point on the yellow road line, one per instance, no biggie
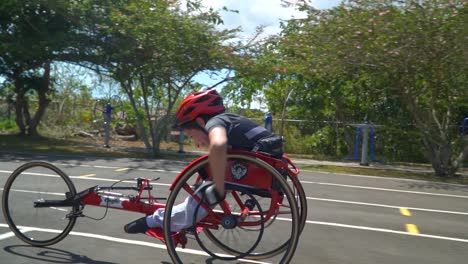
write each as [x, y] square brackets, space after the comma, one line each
[88, 175]
[122, 169]
[413, 229]
[405, 211]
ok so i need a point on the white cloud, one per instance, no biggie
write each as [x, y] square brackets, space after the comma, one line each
[254, 13]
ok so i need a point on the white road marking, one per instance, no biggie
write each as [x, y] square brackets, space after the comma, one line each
[121, 240]
[85, 177]
[112, 180]
[309, 182]
[88, 175]
[309, 198]
[31, 173]
[383, 230]
[7, 235]
[382, 178]
[324, 200]
[385, 189]
[388, 206]
[28, 191]
[111, 167]
[185, 163]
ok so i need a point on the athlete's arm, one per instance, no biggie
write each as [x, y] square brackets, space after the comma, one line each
[217, 156]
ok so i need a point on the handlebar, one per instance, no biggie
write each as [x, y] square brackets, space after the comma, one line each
[290, 164]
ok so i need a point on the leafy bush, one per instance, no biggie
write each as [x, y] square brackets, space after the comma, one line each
[397, 144]
[7, 125]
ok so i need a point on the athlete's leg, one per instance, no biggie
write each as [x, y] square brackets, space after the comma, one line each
[182, 217]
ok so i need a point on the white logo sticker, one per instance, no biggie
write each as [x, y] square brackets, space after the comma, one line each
[111, 202]
[238, 170]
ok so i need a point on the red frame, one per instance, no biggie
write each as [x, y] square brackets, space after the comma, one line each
[97, 197]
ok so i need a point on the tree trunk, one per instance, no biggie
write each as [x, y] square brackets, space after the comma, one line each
[141, 128]
[19, 105]
[341, 117]
[150, 120]
[26, 124]
[435, 134]
[43, 102]
[440, 156]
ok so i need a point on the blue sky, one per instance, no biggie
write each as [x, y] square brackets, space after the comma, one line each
[254, 13]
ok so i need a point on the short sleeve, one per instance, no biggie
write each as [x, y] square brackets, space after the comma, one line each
[215, 122]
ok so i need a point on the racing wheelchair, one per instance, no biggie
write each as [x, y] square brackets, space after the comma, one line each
[262, 216]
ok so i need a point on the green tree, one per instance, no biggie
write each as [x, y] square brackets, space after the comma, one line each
[154, 54]
[34, 34]
[412, 56]
[397, 63]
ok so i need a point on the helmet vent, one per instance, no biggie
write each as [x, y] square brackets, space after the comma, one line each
[188, 110]
[202, 99]
[216, 102]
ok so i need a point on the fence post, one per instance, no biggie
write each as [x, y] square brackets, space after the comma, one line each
[107, 120]
[269, 122]
[357, 144]
[181, 140]
[464, 127]
[372, 144]
[365, 144]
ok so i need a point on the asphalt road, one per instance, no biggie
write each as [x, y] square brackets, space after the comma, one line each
[351, 219]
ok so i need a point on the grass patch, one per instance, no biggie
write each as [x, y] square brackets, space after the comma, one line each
[83, 146]
[386, 173]
[52, 145]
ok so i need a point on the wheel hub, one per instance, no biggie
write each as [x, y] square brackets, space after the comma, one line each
[229, 221]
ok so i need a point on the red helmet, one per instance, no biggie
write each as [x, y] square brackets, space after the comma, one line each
[207, 102]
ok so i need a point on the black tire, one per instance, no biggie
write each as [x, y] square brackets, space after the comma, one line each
[301, 201]
[292, 227]
[238, 199]
[38, 226]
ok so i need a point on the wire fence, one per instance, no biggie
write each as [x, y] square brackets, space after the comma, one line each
[320, 137]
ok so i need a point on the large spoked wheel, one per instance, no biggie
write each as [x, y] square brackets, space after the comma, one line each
[241, 211]
[239, 240]
[282, 213]
[36, 182]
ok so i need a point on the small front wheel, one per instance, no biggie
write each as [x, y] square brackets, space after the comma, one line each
[33, 183]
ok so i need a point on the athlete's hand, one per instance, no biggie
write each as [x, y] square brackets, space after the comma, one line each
[209, 193]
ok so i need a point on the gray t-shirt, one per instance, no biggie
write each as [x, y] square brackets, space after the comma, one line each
[242, 133]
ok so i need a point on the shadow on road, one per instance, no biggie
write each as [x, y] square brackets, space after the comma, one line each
[74, 160]
[208, 261]
[436, 186]
[50, 255]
